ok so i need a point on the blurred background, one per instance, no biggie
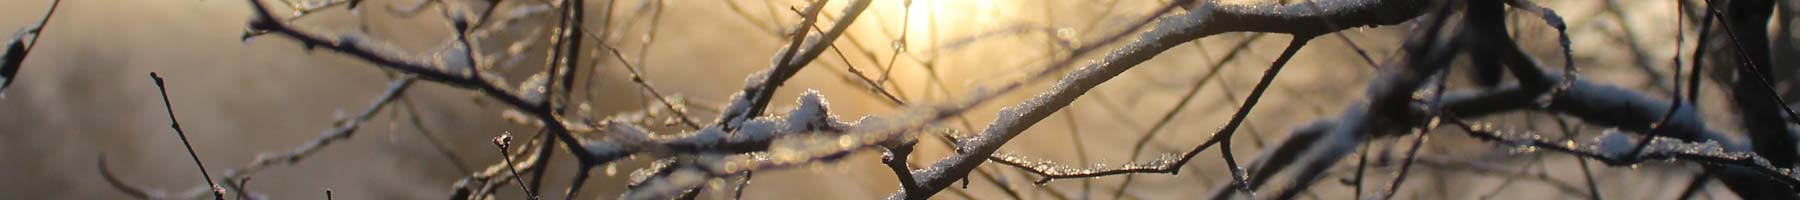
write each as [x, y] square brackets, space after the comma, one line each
[84, 95]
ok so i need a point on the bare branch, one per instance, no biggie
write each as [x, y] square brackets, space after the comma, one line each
[1208, 19]
[1711, 153]
[751, 102]
[504, 141]
[16, 48]
[217, 192]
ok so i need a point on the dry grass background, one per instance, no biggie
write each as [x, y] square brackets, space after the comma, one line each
[84, 93]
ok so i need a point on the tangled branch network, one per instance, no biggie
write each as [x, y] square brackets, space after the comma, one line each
[1409, 97]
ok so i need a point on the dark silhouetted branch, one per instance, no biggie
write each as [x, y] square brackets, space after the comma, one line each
[1761, 107]
[343, 129]
[217, 191]
[1710, 153]
[17, 48]
[1188, 97]
[376, 53]
[758, 90]
[503, 142]
[680, 111]
[744, 139]
[1207, 19]
[1170, 164]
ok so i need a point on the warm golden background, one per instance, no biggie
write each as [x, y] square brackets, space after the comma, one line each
[85, 93]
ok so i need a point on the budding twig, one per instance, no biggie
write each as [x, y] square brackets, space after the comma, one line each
[504, 141]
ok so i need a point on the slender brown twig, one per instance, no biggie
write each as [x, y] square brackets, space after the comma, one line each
[218, 192]
[503, 142]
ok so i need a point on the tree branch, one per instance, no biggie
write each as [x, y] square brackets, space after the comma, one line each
[1208, 19]
[217, 192]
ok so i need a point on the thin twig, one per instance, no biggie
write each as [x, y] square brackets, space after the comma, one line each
[218, 192]
[243, 184]
[373, 52]
[1080, 149]
[1193, 26]
[1394, 187]
[738, 192]
[1711, 154]
[1181, 105]
[442, 149]
[1764, 134]
[679, 110]
[1424, 131]
[1362, 164]
[874, 85]
[787, 64]
[116, 183]
[1165, 165]
[1588, 174]
[581, 177]
[38, 29]
[504, 141]
[16, 50]
[342, 130]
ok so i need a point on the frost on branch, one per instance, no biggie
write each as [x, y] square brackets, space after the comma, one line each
[1051, 170]
[454, 58]
[805, 136]
[1612, 148]
[534, 88]
[1612, 143]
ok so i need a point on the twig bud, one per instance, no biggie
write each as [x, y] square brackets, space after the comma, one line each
[503, 141]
